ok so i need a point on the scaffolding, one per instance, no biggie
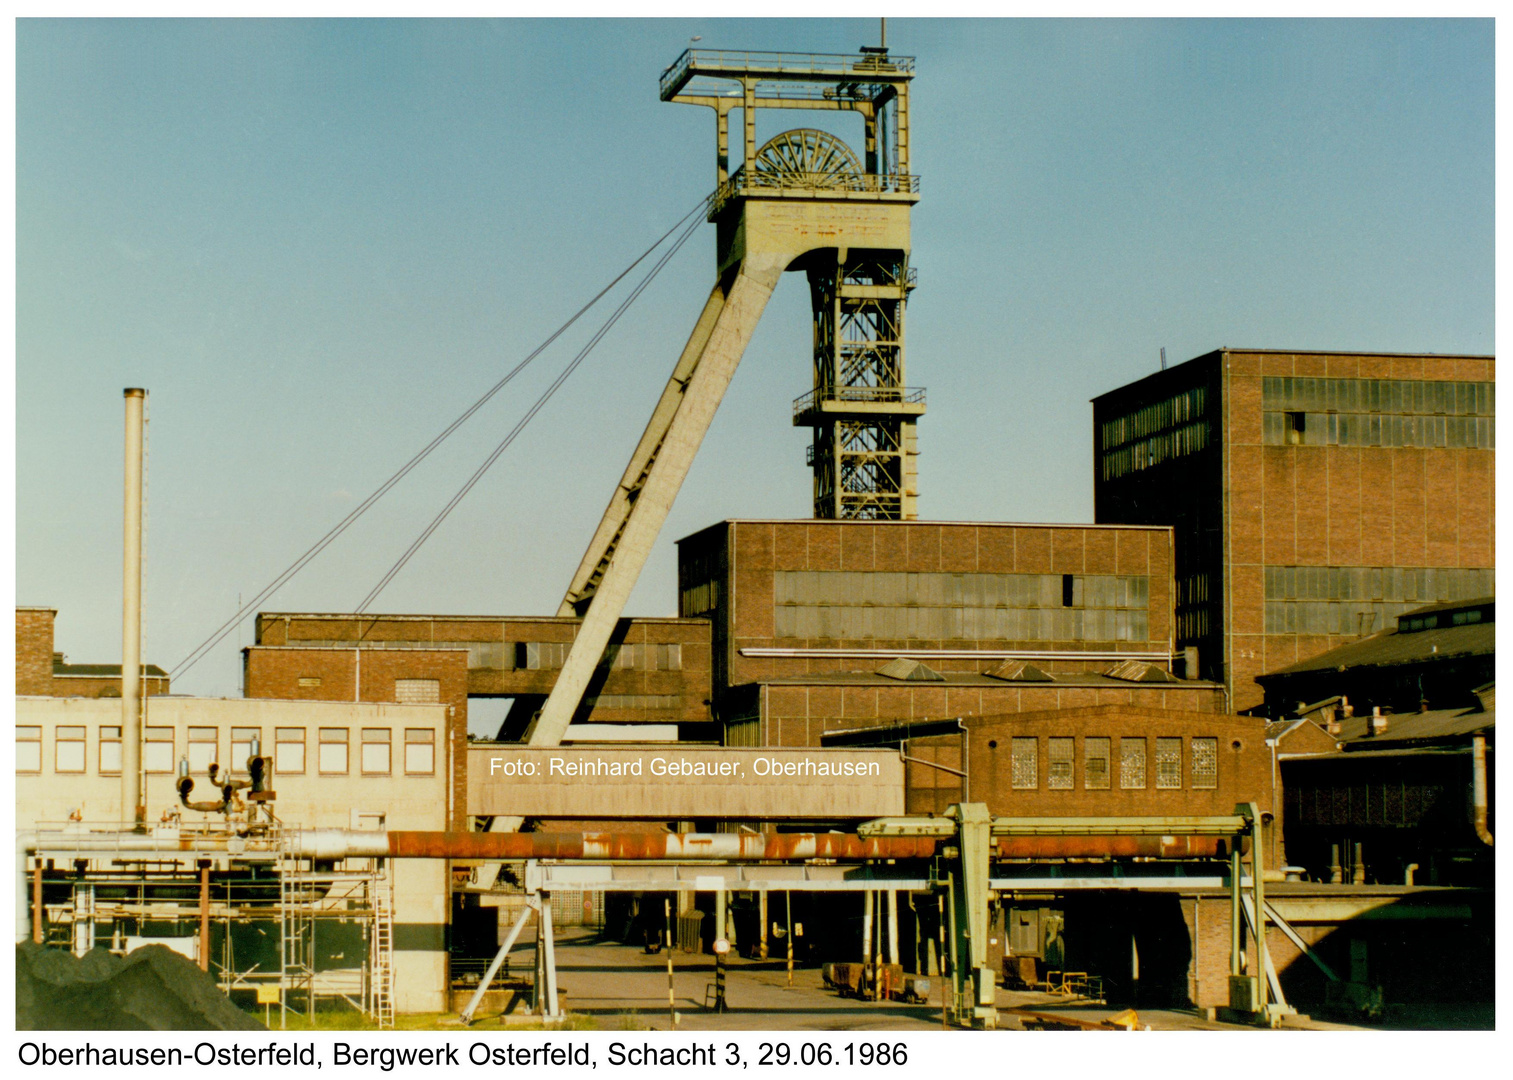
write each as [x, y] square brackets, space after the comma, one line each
[307, 929]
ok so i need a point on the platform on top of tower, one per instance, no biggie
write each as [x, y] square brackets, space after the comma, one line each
[833, 80]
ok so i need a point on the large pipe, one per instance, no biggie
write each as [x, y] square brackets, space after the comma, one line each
[673, 846]
[1091, 847]
[132, 800]
[1479, 788]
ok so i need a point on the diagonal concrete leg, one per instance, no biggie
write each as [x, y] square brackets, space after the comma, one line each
[733, 325]
[601, 549]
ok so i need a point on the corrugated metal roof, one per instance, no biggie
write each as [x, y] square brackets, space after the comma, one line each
[1413, 727]
[1390, 647]
[961, 678]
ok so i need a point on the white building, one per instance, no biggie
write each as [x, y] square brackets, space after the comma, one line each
[347, 765]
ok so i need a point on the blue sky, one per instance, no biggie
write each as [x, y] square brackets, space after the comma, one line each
[315, 243]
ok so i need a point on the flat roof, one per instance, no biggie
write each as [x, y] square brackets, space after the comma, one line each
[463, 618]
[966, 678]
[910, 524]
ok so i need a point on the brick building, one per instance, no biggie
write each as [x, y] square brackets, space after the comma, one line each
[1314, 495]
[43, 672]
[820, 626]
[655, 671]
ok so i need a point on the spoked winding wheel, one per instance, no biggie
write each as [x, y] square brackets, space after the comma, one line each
[808, 158]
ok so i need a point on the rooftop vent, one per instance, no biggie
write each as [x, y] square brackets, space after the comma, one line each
[907, 670]
[1139, 671]
[1019, 671]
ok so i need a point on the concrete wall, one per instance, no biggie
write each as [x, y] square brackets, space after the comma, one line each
[580, 782]
[308, 799]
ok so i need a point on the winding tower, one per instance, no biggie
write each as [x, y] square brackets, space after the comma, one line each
[846, 222]
[802, 201]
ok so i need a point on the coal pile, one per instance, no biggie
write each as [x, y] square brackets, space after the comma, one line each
[151, 989]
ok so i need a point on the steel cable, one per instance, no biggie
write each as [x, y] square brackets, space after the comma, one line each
[201, 650]
[526, 419]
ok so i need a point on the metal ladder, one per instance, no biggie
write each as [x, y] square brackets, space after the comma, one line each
[383, 950]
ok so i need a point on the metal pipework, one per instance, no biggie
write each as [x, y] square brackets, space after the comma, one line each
[1088, 847]
[636, 846]
[1479, 788]
[132, 795]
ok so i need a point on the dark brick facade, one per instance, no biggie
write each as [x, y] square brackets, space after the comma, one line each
[1245, 503]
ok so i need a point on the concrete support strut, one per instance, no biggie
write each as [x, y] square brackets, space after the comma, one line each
[636, 513]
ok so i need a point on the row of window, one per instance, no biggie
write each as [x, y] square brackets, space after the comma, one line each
[1415, 584]
[1147, 453]
[1373, 429]
[1098, 763]
[523, 656]
[634, 701]
[71, 751]
[866, 588]
[1408, 396]
[1350, 618]
[1174, 412]
[959, 624]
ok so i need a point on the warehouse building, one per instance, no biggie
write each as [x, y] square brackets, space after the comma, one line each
[1314, 496]
[819, 626]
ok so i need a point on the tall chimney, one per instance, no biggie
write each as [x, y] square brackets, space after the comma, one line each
[133, 803]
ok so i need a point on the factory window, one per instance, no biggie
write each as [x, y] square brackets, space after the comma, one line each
[889, 606]
[309, 682]
[1205, 763]
[1355, 600]
[157, 754]
[420, 751]
[540, 655]
[1022, 763]
[110, 749]
[203, 744]
[634, 701]
[1060, 755]
[1095, 763]
[646, 657]
[417, 691]
[1168, 763]
[242, 739]
[1378, 412]
[28, 748]
[333, 750]
[375, 751]
[68, 749]
[1154, 433]
[1131, 764]
[289, 750]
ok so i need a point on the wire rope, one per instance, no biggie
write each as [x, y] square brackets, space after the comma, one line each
[219, 634]
[526, 419]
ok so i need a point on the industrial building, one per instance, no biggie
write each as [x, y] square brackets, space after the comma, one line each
[1314, 495]
[41, 670]
[1032, 738]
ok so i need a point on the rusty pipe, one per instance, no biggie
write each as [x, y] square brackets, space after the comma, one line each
[636, 846]
[1479, 788]
[1082, 847]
